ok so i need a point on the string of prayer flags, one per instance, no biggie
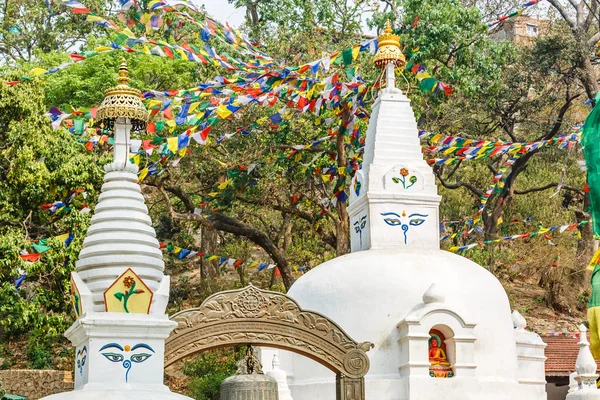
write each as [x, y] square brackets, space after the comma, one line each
[514, 13]
[540, 232]
[231, 262]
[467, 149]
[41, 247]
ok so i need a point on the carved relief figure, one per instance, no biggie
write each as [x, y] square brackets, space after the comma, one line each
[414, 219]
[440, 367]
[120, 353]
[359, 225]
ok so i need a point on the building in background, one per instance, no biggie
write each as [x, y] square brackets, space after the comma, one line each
[520, 30]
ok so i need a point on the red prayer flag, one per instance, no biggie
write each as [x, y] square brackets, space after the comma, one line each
[76, 57]
[31, 257]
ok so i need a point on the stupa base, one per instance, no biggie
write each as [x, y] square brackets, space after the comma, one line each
[118, 394]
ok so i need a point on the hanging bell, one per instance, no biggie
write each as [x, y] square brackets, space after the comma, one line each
[249, 383]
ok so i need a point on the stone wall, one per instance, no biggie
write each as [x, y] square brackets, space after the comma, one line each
[36, 384]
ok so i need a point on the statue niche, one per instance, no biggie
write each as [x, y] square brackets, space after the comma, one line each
[440, 366]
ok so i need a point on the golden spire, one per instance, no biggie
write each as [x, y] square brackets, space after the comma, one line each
[123, 101]
[123, 78]
[388, 50]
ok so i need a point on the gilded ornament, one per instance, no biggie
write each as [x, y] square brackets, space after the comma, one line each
[388, 50]
[123, 101]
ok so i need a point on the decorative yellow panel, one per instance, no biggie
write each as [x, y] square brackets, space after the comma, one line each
[76, 299]
[128, 294]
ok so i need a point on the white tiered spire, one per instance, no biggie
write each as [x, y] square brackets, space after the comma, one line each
[393, 199]
[121, 235]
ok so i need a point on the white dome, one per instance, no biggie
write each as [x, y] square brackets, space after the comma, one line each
[369, 293]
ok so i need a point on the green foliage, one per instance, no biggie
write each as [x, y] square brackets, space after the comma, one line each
[37, 166]
[209, 370]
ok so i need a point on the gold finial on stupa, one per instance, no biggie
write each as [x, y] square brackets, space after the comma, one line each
[123, 78]
[388, 50]
[123, 101]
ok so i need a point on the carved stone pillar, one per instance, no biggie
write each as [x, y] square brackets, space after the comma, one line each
[349, 388]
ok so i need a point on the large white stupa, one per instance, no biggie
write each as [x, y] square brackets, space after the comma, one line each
[119, 291]
[441, 324]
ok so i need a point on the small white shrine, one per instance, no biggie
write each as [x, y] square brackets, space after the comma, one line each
[441, 324]
[119, 292]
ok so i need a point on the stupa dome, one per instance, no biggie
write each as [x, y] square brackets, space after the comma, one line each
[368, 293]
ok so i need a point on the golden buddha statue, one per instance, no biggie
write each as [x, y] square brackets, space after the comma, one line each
[440, 367]
[437, 356]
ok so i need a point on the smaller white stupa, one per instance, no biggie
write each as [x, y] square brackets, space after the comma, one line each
[119, 291]
[585, 371]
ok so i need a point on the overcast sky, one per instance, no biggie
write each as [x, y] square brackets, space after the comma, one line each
[223, 11]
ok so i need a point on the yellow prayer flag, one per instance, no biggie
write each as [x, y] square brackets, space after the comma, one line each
[355, 51]
[213, 194]
[62, 237]
[500, 220]
[136, 159]
[172, 144]
[38, 71]
[193, 107]
[146, 51]
[143, 174]
[223, 112]
[176, 250]
[182, 54]
[225, 184]
[325, 178]
[594, 260]
[211, 258]
[128, 33]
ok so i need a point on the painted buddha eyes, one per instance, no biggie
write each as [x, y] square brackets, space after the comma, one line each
[417, 221]
[138, 358]
[120, 358]
[393, 219]
[114, 357]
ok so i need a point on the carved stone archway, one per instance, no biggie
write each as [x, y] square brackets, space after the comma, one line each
[251, 316]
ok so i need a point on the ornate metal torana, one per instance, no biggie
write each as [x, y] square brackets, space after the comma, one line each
[251, 316]
[123, 101]
[388, 50]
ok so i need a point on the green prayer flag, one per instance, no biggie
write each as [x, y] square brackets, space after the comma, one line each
[78, 126]
[350, 72]
[347, 56]
[120, 39]
[212, 121]
[428, 84]
[41, 247]
[159, 126]
[158, 139]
